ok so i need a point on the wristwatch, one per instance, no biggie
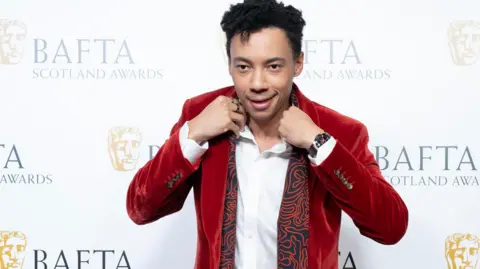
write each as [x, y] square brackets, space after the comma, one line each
[319, 140]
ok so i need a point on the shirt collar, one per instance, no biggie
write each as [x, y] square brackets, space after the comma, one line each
[281, 147]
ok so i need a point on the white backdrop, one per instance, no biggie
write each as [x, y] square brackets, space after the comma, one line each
[70, 71]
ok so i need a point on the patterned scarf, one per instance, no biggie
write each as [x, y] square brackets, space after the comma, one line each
[293, 220]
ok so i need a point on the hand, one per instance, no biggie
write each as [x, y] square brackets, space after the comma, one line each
[222, 115]
[297, 128]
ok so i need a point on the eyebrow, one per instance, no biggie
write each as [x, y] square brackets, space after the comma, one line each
[270, 60]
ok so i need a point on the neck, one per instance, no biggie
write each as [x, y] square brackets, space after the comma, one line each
[267, 129]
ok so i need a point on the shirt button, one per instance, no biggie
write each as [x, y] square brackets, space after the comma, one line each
[249, 236]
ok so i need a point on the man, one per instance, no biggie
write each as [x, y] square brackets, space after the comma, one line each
[12, 249]
[12, 38]
[271, 170]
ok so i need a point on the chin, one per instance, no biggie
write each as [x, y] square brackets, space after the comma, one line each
[262, 116]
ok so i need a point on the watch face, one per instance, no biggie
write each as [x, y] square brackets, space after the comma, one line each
[321, 139]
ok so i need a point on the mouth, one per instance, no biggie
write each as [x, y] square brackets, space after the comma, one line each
[13, 265]
[261, 104]
[468, 55]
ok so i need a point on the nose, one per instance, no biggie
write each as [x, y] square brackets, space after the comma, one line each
[14, 42]
[258, 83]
[128, 149]
[468, 44]
[467, 259]
[14, 254]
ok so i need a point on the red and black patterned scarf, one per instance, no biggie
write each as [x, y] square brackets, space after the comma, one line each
[293, 220]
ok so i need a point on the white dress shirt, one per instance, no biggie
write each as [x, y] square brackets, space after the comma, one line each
[261, 180]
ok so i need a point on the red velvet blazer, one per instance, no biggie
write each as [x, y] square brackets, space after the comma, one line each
[349, 180]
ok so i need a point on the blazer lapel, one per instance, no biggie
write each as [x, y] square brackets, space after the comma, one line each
[307, 106]
[214, 182]
[214, 177]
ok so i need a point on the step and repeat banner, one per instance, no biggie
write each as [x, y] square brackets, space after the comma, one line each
[90, 89]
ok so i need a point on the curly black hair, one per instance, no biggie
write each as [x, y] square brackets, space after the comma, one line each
[253, 15]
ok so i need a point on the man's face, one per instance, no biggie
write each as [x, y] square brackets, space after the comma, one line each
[13, 253]
[465, 255]
[11, 43]
[126, 151]
[466, 44]
[262, 70]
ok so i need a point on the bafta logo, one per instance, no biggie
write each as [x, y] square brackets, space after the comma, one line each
[124, 147]
[12, 247]
[12, 38]
[464, 42]
[461, 251]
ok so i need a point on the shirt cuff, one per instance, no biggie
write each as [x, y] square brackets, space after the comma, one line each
[323, 152]
[190, 149]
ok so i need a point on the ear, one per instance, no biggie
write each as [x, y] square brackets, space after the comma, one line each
[299, 64]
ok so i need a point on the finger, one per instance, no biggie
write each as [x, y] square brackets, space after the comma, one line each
[232, 100]
[239, 119]
[281, 130]
[222, 100]
[236, 108]
[226, 101]
[234, 128]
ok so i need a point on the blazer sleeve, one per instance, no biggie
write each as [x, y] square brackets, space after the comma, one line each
[352, 175]
[162, 185]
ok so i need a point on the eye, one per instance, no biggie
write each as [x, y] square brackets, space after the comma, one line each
[275, 67]
[242, 67]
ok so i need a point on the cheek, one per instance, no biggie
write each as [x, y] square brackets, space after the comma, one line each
[278, 82]
[240, 80]
[241, 92]
[281, 80]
